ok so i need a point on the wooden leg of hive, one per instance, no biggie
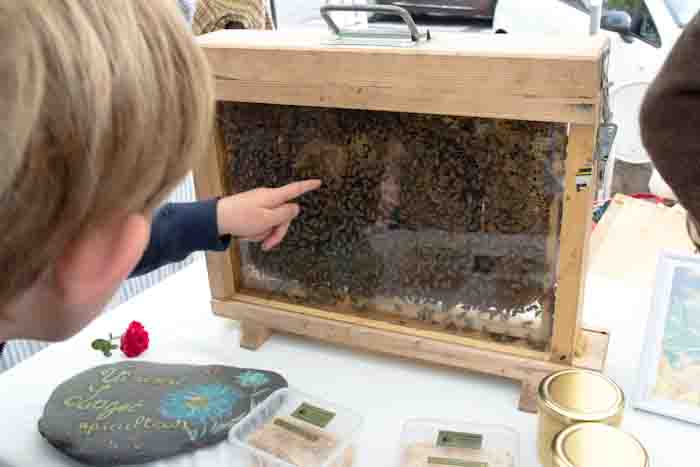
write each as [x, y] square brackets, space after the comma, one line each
[528, 392]
[253, 335]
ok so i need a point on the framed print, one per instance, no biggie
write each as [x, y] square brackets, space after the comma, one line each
[669, 382]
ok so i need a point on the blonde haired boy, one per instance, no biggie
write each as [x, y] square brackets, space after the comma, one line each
[106, 105]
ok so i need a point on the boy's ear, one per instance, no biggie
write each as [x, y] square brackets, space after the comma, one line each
[95, 262]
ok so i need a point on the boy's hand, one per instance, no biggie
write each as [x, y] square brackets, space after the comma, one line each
[263, 214]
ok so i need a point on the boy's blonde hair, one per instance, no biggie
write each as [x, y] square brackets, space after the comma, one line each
[104, 106]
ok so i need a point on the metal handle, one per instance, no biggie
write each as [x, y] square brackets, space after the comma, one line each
[326, 10]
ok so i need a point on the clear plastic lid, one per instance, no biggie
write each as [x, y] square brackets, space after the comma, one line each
[439, 443]
[294, 429]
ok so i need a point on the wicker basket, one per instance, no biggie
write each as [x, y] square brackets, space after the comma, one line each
[213, 15]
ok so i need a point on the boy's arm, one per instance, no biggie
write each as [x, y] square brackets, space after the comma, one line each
[178, 230]
[670, 119]
[260, 215]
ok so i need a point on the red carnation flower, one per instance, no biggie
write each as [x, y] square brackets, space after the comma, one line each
[135, 340]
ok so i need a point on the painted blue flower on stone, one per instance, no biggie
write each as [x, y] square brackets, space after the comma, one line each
[199, 403]
[253, 379]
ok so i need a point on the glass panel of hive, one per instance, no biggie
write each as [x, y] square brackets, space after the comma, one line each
[434, 222]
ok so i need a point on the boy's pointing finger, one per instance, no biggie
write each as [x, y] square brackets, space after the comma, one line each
[277, 196]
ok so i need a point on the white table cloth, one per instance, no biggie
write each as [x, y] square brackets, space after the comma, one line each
[386, 390]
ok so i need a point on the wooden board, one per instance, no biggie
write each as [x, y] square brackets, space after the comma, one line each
[627, 242]
[576, 225]
[535, 46]
[526, 370]
[450, 75]
[399, 325]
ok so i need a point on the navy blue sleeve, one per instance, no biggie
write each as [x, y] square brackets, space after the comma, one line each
[178, 230]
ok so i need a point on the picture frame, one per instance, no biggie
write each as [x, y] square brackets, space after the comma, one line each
[669, 374]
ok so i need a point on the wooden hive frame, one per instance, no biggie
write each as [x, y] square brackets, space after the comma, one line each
[537, 79]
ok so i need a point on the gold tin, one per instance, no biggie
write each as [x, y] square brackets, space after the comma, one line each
[575, 396]
[597, 445]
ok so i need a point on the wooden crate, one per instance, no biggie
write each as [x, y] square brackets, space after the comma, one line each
[464, 86]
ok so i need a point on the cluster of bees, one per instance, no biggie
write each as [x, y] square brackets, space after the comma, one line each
[449, 210]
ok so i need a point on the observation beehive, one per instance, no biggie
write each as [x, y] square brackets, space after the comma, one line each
[453, 220]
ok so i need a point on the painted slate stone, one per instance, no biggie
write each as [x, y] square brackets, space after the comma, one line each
[136, 412]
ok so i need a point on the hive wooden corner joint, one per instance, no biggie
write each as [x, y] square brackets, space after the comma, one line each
[459, 179]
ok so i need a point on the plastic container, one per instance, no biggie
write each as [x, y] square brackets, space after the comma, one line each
[294, 429]
[437, 443]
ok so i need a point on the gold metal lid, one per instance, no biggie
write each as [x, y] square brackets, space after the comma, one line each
[575, 396]
[598, 445]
